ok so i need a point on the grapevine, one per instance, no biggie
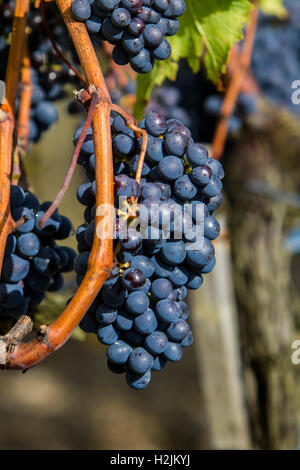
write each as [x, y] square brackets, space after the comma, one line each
[150, 196]
[164, 232]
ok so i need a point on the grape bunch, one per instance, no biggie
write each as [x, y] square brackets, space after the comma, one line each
[140, 313]
[275, 72]
[137, 28]
[33, 263]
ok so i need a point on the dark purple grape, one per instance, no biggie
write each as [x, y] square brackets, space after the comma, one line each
[136, 26]
[133, 279]
[155, 124]
[133, 241]
[153, 35]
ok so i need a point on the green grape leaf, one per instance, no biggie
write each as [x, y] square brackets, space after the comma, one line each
[273, 7]
[208, 30]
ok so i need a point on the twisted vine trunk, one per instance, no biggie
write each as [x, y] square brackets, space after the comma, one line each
[265, 160]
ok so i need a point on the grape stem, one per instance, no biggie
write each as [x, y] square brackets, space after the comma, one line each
[21, 329]
[27, 354]
[23, 115]
[131, 123]
[249, 84]
[55, 46]
[234, 87]
[50, 211]
[7, 118]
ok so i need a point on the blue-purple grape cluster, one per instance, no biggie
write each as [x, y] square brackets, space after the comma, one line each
[33, 263]
[275, 72]
[140, 311]
[137, 28]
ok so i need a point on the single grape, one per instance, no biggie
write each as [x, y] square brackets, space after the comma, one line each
[211, 228]
[123, 186]
[163, 51]
[173, 352]
[176, 141]
[123, 144]
[153, 35]
[170, 168]
[138, 381]
[217, 168]
[154, 152]
[202, 256]
[133, 241]
[155, 124]
[194, 282]
[105, 314]
[177, 331]
[184, 188]
[213, 188]
[140, 361]
[151, 190]
[17, 196]
[136, 27]
[140, 60]
[201, 175]
[121, 17]
[156, 342]
[28, 245]
[145, 14]
[173, 252]
[81, 9]
[167, 311]
[179, 276]
[133, 279]
[145, 323]
[29, 219]
[176, 8]
[133, 45]
[161, 5]
[107, 334]
[118, 352]
[197, 154]
[161, 288]
[137, 303]
[209, 266]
